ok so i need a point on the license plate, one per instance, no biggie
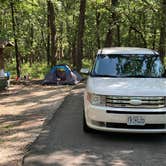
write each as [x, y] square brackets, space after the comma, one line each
[136, 121]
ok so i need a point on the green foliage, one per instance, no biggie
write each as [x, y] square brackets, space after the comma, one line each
[87, 63]
[140, 25]
[37, 70]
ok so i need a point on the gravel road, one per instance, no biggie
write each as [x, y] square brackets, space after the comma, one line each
[63, 143]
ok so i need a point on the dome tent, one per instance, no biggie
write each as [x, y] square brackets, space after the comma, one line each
[63, 75]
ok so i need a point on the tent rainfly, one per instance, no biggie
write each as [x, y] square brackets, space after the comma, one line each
[63, 75]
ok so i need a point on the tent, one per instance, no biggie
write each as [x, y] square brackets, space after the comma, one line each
[63, 75]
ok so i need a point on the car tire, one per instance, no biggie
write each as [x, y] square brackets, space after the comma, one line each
[85, 126]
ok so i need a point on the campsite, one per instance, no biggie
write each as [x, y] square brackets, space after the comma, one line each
[82, 82]
[62, 75]
[24, 110]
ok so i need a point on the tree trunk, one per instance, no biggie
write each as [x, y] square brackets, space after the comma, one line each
[97, 28]
[1, 59]
[162, 44]
[111, 34]
[31, 38]
[73, 52]
[108, 40]
[129, 37]
[141, 35]
[118, 35]
[15, 39]
[52, 25]
[61, 42]
[79, 49]
[48, 34]
[154, 38]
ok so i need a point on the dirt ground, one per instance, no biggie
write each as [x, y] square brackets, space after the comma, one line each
[63, 142]
[24, 109]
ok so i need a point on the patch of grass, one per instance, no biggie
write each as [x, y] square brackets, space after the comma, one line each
[1, 141]
[7, 127]
[36, 70]
[39, 70]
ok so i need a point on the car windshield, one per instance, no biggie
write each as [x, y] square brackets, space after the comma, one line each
[128, 66]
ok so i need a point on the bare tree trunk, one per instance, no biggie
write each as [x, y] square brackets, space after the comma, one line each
[53, 32]
[118, 35]
[48, 34]
[1, 59]
[31, 38]
[15, 39]
[141, 35]
[154, 38]
[111, 34]
[108, 40]
[73, 51]
[61, 41]
[79, 49]
[162, 44]
[154, 34]
[97, 28]
[129, 37]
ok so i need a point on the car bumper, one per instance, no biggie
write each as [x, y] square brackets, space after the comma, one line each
[114, 120]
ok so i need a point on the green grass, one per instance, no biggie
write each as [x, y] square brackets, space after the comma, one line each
[39, 70]
[8, 127]
[1, 141]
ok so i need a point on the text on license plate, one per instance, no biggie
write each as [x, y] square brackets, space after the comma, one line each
[136, 120]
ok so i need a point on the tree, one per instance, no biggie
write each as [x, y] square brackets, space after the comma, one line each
[162, 44]
[113, 24]
[80, 35]
[47, 28]
[1, 56]
[52, 26]
[48, 33]
[15, 39]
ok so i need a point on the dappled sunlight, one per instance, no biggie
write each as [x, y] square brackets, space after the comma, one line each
[126, 151]
[63, 142]
[9, 153]
[32, 98]
[22, 115]
[118, 162]
[70, 157]
[66, 158]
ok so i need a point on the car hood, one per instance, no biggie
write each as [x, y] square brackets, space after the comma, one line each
[127, 86]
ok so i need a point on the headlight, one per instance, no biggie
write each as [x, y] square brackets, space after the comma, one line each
[95, 99]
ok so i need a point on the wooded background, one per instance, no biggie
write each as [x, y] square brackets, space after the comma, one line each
[47, 32]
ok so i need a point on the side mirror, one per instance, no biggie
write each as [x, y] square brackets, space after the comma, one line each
[84, 71]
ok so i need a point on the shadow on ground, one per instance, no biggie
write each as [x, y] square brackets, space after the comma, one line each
[22, 116]
[63, 142]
